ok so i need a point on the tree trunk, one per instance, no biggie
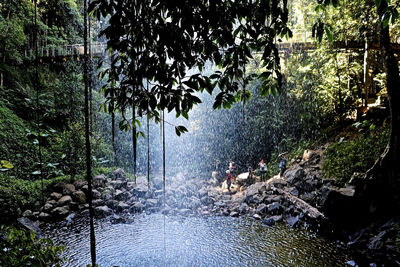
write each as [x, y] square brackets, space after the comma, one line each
[87, 140]
[134, 140]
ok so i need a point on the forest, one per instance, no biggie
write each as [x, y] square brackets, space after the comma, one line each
[118, 120]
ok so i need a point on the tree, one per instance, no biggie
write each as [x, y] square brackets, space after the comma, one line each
[160, 41]
[381, 184]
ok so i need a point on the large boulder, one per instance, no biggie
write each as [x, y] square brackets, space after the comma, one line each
[268, 221]
[65, 200]
[295, 175]
[28, 224]
[276, 181]
[103, 211]
[61, 212]
[79, 184]
[119, 174]
[79, 197]
[292, 220]
[274, 208]
[99, 180]
[140, 190]
[137, 207]
[122, 206]
[118, 184]
[262, 209]
[68, 189]
[55, 196]
[254, 190]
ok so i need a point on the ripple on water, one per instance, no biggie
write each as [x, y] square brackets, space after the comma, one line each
[197, 241]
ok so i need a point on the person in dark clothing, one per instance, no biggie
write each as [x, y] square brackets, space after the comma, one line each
[282, 164]
[229, 179]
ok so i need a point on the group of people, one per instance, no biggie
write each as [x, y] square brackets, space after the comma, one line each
[263, 169]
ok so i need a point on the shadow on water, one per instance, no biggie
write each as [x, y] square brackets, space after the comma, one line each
[197, 241]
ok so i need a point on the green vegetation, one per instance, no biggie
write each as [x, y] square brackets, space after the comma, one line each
[22, 248]
[345, 157]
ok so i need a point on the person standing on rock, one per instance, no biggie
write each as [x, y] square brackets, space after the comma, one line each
[282, 164]
[229, 179]
[263, 169]
[231, 167]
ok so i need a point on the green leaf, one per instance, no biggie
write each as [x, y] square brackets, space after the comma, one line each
[6, 164]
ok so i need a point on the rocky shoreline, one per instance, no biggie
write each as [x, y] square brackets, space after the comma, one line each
[301, 199]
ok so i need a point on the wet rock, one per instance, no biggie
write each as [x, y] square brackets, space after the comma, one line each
[79, 184]
[277, 218]
[254, 190]
[83, 206]
[103, 210]
[79, 197]
[85, 189]
[47, 207]
[137, 207]
[277, 182]
[220, 204]
[112, 203]
[293, 191]
[130, 185]
[184, 212]
[96, 194]
[64, 201]
[274, 208]
[140, 190]
[151, 203]
[28, 224]
[55, 195]
[295, 175]
[268, 221]
[206, 200]
[52, 202]
[257, 216]
[234, 214]
[68, 189]
[119, 174]
[262, 209]
[118, 184]
[115, 219]
[61, 212]
[292, 220]
[98, 202]
[70, 218]
[43, 216]
[122, 195]
[377, 242]
[202, 193]
[243, 208]
[99, 180]
[122, 206]
[27, 213]
[107, 196]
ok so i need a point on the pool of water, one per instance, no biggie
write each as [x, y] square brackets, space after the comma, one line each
[158, 240]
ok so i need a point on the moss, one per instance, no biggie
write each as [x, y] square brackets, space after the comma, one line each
[344, 158]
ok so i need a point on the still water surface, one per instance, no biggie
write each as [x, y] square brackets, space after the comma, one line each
[158, 240]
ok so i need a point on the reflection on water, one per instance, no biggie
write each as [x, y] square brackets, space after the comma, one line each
[197, 241]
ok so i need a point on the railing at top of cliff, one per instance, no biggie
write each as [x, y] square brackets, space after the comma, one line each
[96, 48]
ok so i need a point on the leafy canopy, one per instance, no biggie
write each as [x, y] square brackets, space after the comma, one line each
[165, 42]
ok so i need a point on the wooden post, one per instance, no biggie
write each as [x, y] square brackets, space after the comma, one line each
[366, 78]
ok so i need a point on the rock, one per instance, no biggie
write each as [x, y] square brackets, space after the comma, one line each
[122, 206]
[268, 221]
[184, 212]
[257, 216]
[243, 208]
[56, 196]
[295, 175]
[98, 202]
[52, 202]
[234, 214]
[130, 185]
[48, 207]
[254, 190]
[377, 242]
[140, 190]
[276, 218]
[61, 211]
[292, 221]
[79, 184]
[85, 189]
[112, 203]
[99, 180]
[220, 204]
[206, 200]
[68, 189]
[262, 209]
[64, 201]
[70, 218]
[274, 208]
[277, 182]
[119, 174]
[202, 193]
[79, 197]
[244, 179]
[96, 194]
[137, 207]
[103, 210]
[150, 203]
[293, 191]
[117, 219]
[27, 213]
[43, 216]
[28, 224]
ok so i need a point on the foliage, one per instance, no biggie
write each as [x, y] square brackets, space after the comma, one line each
[17, 195]
[346, 157]
[22, 248]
